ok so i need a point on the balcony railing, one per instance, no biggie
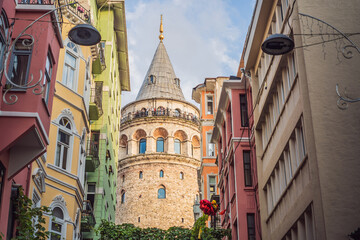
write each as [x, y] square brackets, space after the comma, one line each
[162, 112]
[87, 217]
[98, 55]
[40, 3]
[77, 9]
[96, 101]
[92, 156]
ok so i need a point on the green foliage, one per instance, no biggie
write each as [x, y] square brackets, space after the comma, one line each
[111, 231]
[30, 219]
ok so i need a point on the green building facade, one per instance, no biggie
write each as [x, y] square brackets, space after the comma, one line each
[111, 75]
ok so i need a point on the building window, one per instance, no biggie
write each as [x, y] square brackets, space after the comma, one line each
[57, 224]
[160, 144]
[177, 146]
[162, 193]
[247, 169]
[243, 111]
[251, 226]
[151, 79]
[177, 112]
[4, 25]
[90, 195]
[71, 58]
[161, 173]
[140, 175]
[2, 178]
[47, 77]
[138, 219]
[63, 144]
[181, 175]
[210, 146]
[142, 145]
[20, 62]
[122, 196]
[209, 104]
[177, 82]
[212, 186]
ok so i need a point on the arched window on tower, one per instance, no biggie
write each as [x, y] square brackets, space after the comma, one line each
[140, 175]
[160, 144]
[162, 193]
[161, 173]
[181, 175]
[142, 145]
[177, 146]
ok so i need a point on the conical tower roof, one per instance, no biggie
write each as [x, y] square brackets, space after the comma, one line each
[160, 80]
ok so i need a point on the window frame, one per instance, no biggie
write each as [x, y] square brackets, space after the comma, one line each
[250, 223]
[67, 131]
[208, 144]
[76, 55]
[164, 193]
[47, 76]
[177, 142]
[57, 221]
[160, 140]
[207, 96]
[20, 52]
[142, 146]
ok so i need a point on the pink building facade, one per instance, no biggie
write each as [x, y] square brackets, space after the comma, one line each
[233, 134]
[25, 113]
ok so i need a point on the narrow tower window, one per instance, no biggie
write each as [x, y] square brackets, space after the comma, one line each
[142, 145]
[140, 175]
[161, 173]
[162, 193]
[177, 146]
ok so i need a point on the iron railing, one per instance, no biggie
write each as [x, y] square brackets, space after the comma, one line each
[77, 9]
[56, 4]
[96, 96]
[87, 217]
[160, 112]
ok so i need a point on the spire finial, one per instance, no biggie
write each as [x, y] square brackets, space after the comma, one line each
[161, 37]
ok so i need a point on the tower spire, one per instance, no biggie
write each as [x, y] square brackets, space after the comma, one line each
[161, 36]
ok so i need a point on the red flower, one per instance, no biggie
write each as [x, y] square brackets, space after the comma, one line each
[207, 207]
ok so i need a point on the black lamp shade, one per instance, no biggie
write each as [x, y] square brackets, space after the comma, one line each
[277, 44]
[85, 35]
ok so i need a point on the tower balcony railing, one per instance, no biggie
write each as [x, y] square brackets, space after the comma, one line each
[96, 110]
[87, 217]
[160, 112]
[92, 156]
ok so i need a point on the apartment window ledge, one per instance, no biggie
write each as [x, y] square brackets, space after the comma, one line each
[287, 187]
[281, 113]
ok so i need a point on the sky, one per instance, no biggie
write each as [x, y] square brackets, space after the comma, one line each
[203, 38]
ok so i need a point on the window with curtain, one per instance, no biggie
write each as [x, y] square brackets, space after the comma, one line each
[162, 193]
[177, 146]
[142, 145]
[160, 144]
[63, 143]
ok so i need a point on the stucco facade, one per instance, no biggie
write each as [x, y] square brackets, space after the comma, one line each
[24, 109]
[307, 151]
[58, 177]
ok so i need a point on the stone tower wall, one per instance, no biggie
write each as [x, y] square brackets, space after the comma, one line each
[142, 207]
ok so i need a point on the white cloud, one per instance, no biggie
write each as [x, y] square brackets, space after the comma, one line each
[202, 38]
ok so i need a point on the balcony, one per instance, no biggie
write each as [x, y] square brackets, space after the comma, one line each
[87, 217]
[98, 56]
[95, 107]
[159, 113]
[76, 13]
[45, 5]
[92, 156]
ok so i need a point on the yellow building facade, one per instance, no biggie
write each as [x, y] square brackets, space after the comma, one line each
[58, 177]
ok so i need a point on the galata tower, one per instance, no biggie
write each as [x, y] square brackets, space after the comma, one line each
[159, 151]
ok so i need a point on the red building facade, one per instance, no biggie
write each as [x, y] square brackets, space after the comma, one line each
[233, 134]
[25, 106]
